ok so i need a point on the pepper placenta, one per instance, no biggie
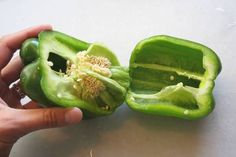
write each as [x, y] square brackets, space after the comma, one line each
[63, 71]
[172, 77]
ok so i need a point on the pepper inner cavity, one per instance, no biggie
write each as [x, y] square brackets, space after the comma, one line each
[151, 84]
[149, 79]
[159, 64]
[57, 63]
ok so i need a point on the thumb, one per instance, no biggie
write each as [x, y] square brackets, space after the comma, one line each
[34, 119]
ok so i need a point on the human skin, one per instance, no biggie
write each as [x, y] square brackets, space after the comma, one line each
[16, 119]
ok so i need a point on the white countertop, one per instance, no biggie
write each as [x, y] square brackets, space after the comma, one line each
[120, 25]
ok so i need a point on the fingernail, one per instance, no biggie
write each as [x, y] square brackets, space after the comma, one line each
[73, 116]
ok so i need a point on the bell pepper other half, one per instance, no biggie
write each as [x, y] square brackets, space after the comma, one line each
[63, 71]
[172, 77]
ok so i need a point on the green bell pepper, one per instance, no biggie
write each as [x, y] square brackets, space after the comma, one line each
[172, 77]
[169, 76]
[63, 71]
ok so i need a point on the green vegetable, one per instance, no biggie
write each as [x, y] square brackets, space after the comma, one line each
[172, 77]
[169, 76]
[63, 71]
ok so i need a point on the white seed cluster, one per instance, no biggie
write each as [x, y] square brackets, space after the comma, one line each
[88, 87]
[99, 61]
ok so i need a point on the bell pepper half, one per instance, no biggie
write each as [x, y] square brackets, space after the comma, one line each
[63, 71]
[172, 77]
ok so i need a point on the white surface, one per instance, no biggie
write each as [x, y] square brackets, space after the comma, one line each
[120, 25]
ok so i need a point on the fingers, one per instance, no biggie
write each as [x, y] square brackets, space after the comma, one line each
[10, 96]
[2, 103]
[16, 123]
[31, 105]
[11, 72]
[34, 119]
[10, 43]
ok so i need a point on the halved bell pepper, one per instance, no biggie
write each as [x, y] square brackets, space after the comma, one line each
[172, 77]
[63, 71]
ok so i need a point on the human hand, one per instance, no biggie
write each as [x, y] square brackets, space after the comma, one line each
[16, 120]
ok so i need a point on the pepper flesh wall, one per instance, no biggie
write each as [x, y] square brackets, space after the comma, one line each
[68, 72]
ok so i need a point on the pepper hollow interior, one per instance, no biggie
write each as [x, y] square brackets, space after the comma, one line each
[159, 64]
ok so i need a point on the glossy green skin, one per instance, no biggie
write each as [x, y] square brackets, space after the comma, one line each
[159, 63]
[30, 76]
[29, 50]
[42, 84]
